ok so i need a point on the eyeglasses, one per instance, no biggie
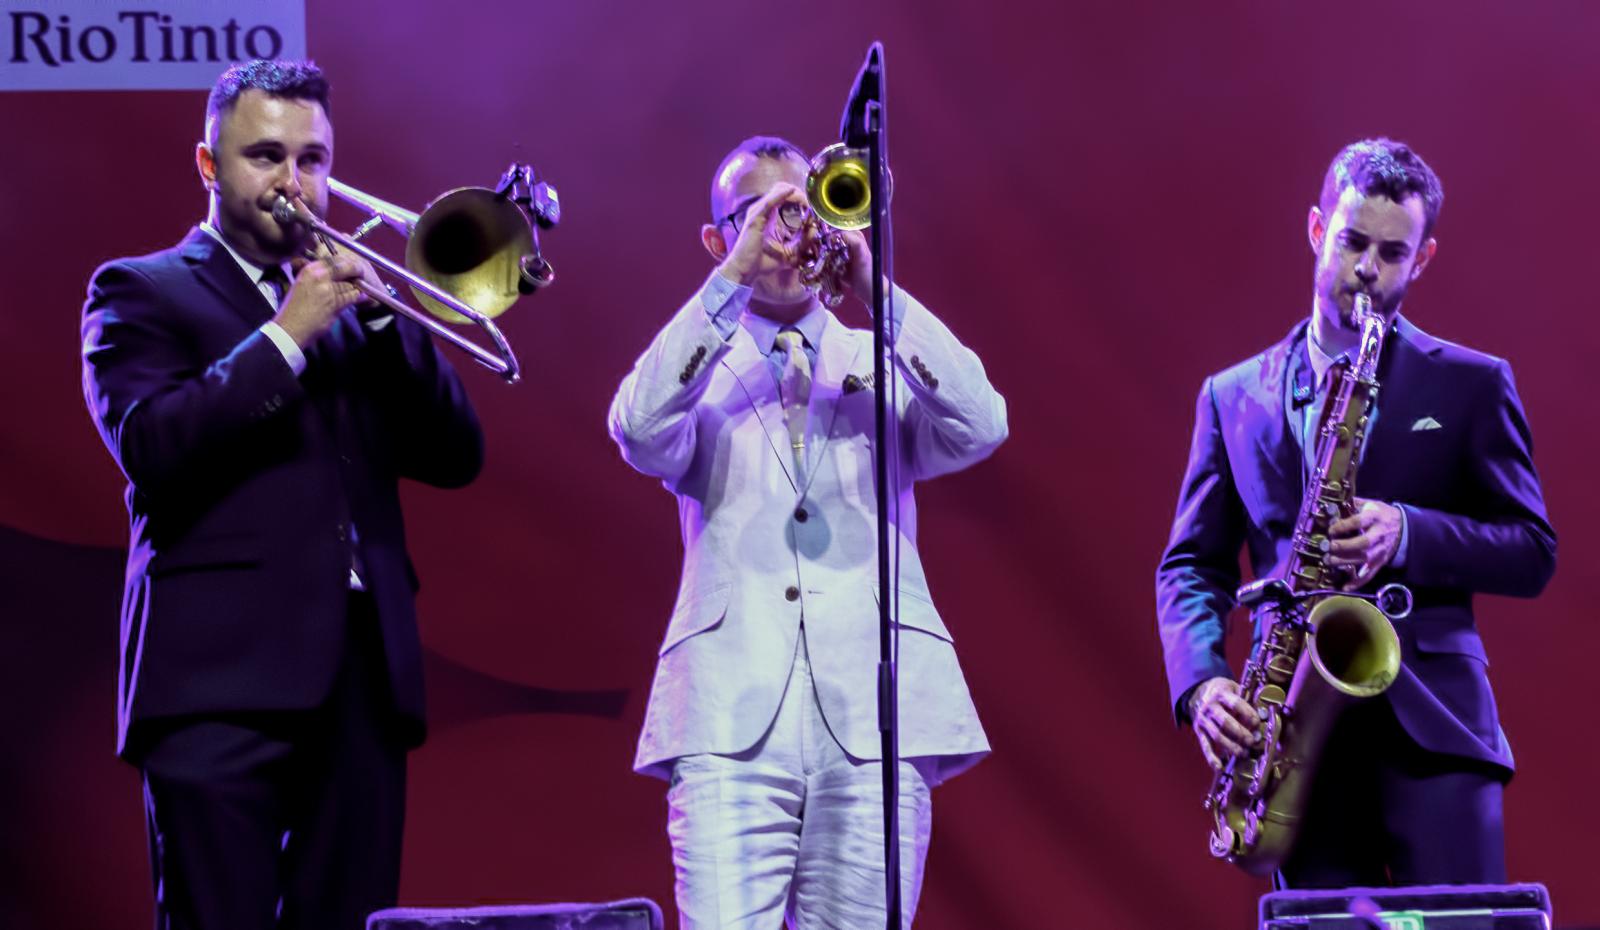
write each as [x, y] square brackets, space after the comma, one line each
[791, 215]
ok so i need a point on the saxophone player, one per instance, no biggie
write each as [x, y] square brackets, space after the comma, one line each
[1408, 790]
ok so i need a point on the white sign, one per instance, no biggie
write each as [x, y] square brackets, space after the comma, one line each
[141, 44]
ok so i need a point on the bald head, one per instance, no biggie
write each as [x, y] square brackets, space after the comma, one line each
[725, 184]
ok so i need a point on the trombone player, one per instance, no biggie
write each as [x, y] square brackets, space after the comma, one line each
[270, 684]
[754, 406]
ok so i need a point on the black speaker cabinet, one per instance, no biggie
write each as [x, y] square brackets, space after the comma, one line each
[1422, 907]
[632, 914]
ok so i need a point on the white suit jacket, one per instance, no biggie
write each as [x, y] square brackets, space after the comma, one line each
[704, 415]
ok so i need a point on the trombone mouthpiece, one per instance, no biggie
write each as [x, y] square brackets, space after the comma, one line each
[284, 212]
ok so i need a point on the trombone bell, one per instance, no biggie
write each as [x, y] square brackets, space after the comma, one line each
[469, 255]
[470, 243]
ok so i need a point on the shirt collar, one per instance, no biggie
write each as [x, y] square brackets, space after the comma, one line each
[765, 331]
[250, 268]
[1320, 361]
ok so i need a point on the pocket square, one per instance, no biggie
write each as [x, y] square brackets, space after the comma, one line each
[1426, 423]
[854, 383]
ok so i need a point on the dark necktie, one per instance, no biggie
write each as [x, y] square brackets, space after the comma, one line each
[273, 277]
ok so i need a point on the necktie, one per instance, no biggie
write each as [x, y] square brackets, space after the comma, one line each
[273, 277]
[1318, 406]
[794, 386]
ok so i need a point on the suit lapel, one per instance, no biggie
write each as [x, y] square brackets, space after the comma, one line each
[217, 270]
[1267, 399]
[749, 367]
[835, 356]
[1404, 396]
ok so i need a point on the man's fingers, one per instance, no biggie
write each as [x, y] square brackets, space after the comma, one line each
[1238, 732]
[346, 267]
[1360, 577]
[1241, 710]
[1223, 743]
[779, 193]
[1345, 527]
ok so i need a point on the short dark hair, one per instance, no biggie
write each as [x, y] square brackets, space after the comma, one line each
[1384, 166]
[774, 147]
[295, 80]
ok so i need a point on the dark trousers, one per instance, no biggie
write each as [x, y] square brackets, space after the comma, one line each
[1383, 811]
[281, 820]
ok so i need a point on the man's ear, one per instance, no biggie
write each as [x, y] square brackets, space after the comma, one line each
[1316, 229]
[205, 161]
[1424, 256]
[711, 238]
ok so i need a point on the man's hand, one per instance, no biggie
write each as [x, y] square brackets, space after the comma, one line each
[859, 276]
[744, 259]
[1224, 722]
[1366, 541]
[321, 289]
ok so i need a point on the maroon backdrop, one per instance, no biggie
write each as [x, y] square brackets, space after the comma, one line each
[1105, 200]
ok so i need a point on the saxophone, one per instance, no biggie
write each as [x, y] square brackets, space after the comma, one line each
[1320, 648]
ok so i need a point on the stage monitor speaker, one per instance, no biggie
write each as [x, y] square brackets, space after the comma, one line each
[1421, 907]
[631, 914]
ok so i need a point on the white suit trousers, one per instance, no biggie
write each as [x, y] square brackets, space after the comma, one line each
[791, 830]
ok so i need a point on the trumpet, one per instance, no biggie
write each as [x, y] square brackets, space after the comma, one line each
[839, 196]
[469, 255]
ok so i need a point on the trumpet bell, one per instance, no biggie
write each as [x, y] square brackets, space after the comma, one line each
[839, 188]
[470, 243]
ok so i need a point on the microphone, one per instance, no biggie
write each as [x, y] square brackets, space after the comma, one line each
[868, 87]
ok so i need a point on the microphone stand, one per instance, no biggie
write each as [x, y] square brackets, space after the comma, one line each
[864, 125]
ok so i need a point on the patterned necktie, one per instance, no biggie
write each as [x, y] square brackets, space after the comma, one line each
[794, 386]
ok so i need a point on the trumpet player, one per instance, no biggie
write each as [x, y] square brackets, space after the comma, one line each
[753, 405]
[263, 414]
[1447, 503]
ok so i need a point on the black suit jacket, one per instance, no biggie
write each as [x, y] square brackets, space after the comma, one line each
[244, 482]
[1450, 445]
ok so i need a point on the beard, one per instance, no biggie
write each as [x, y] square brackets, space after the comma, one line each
[1385, 303]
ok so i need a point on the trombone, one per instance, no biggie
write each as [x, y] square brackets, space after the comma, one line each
[469, 255]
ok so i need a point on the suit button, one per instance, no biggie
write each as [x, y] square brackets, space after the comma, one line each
[791, 593]
[800, 515]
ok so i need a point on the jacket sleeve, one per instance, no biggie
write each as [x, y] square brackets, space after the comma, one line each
[1504, 544]
[652, 415]
[953, 417]
[432, 428]
[164, 415]
[1199, 571]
